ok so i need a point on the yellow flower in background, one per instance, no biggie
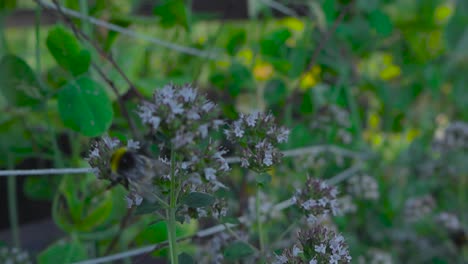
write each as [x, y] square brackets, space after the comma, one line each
[443, 12]
[379, 66]
[390, 72]
[293, 24]
[201, 40]
[263, 71]
[245, 56]
[222, 64]
[310, 78]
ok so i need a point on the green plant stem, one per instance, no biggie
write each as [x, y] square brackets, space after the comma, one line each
[171, 221]
[259, 221]
[13, 207]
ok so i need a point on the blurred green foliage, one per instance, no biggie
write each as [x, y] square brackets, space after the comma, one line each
[397, 68]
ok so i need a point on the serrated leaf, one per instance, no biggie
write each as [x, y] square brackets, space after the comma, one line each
[18, 82]
[147, 208]
[63, 252]
[67, 51]
[85, 107]
[237, 251]
[198, 199]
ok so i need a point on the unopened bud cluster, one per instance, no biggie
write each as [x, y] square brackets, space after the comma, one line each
[364, 187]
[417, 208]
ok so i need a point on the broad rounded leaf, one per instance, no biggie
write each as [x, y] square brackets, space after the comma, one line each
[85, 107]
[18, 82]
[198, 199]
[235, 42]
[67, 51]
[237, 250]
[63, 252]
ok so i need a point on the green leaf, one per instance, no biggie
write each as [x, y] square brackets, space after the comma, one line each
[18, 82]
[240, 77]
[147, 208]
[274, 43]
[198, 199]
[67, 51]
[263, 178]
[85, 107]
[237, 251]
[63, 252]
[275, 92]
[39, 188]
[171, 13]
[185, 258]
[381, 23]
[299, 58]
[236, 41]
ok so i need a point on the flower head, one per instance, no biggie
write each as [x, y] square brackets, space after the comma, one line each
[317, 199]
[257, 135]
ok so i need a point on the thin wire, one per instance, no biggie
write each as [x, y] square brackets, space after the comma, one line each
[313, 150]
[214, 229]
[133, 34]
[45, 171]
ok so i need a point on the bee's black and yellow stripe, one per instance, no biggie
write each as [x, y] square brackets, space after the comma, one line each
[116, 157]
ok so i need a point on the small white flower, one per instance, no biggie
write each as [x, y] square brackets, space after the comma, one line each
[176, 108]
[129, 202]
[313, 261]
[192, 114]
[252, 119]
[188, 93]
[320, 248]
[208, 106]
[94, 153]
[283, 135]
[312, 219]
[154, 121]
[110, 143]
[296, 251]
[210, 174]
[203, 130]
[131, 144]
[280, 259]
[323, 201]
[244, 162]
[238, 131]
[138, 199]
[268, 159]
[307, 205]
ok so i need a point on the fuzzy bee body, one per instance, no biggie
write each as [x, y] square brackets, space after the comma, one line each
[137, 172]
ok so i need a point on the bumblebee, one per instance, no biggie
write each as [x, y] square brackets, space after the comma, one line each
[137, 172]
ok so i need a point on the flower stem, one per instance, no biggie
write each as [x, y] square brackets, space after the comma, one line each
[171, 221]
[13, 207]
[259, 221]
